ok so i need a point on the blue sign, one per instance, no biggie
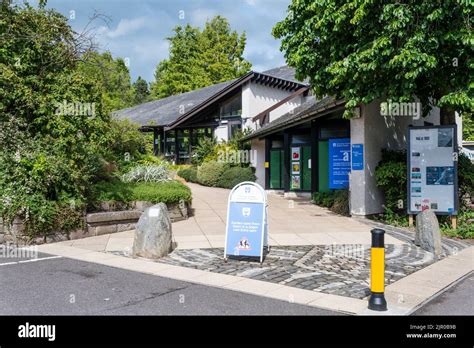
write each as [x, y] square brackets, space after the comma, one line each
[357, 156]
[339, 163]
[246, 230]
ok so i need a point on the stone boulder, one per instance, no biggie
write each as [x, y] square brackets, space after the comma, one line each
[428, 236]
[153, 237]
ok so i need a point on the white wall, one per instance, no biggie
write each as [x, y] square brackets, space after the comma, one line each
[258, 160]
[377, 132]
[257, 98]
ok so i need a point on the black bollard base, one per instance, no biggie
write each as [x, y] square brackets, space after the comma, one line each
[377, 302]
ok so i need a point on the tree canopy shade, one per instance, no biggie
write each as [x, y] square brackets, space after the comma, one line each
[395, 50]
[199, 58]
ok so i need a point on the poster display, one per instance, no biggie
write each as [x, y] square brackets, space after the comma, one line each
[432, 169]
[357, 156]
[339, 163]
[295, 168]
[246, 227]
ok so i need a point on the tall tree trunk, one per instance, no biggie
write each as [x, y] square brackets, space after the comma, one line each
[447, 116]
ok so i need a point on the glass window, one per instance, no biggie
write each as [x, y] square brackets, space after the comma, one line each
[334, 132]
[232, 107]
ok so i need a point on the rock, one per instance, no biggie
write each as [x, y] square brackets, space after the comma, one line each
[153, 237]
[428, 235]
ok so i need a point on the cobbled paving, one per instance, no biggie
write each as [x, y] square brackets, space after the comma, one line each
[333, 269]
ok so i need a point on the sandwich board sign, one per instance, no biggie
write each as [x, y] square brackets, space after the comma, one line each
[247, 224]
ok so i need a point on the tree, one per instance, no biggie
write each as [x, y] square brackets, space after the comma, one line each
[113, 77]
[199, 58]
[140, 91]
[53, 129]
[365, 50]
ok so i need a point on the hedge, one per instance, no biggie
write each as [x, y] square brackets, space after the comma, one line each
[188, 174]
[209, 173]
[235, 175]
[166, 192]
[337, 201]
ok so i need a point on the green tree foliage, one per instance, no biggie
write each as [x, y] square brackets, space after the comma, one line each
[199, 58]
[140, 91]
[364, 50]
[53, 128]
[113, 77]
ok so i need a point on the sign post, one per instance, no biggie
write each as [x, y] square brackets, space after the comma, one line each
[247, 221]
[432, 170]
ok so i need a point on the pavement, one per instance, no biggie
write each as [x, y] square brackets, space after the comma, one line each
[303, 267]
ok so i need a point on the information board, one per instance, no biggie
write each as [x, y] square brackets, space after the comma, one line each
[247, 227]
[357, 156]
[432, 169]
[339, 163]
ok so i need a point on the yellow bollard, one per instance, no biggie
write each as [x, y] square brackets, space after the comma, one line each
[377, 271]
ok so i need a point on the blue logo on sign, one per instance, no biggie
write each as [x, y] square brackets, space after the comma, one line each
[247, 189]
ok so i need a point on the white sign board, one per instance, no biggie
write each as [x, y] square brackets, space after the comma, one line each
[247, 224]
[432, 169]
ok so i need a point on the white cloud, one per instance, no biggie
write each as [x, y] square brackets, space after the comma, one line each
[125, 27]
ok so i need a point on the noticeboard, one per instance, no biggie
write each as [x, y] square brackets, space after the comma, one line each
[246, 227]
[339, 163]
[432, 169]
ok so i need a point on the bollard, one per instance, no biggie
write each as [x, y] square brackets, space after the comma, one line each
[377, 271]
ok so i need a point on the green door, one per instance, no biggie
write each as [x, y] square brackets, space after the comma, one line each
[276, 169]
[323, 166]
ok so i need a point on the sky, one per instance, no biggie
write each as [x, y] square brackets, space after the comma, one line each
[137, 29]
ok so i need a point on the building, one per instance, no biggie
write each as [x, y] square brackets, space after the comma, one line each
[300, 144]
[178, 122]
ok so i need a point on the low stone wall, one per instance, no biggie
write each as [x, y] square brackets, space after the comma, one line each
[109, 220]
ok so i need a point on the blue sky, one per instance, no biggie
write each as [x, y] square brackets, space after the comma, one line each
[137, 29]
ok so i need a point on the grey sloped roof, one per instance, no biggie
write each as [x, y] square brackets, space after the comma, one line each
[284, 72]
[308, 110]
[164, 111]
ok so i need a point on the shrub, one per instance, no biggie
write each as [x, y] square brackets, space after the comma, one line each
[341, 203]
[391, 178]
[209, 173]
[188, 174]
[465, 177]
[147, 173]
[203, 149]
[235, 175]
[166, 192]
[337, 201]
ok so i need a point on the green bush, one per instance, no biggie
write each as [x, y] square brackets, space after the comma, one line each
[166, 192]
[337, 201]
[235, 175]
[188, 174]
[341, 202]
[465, 177]
[209, 173]
[391, 178]
[465, 224]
